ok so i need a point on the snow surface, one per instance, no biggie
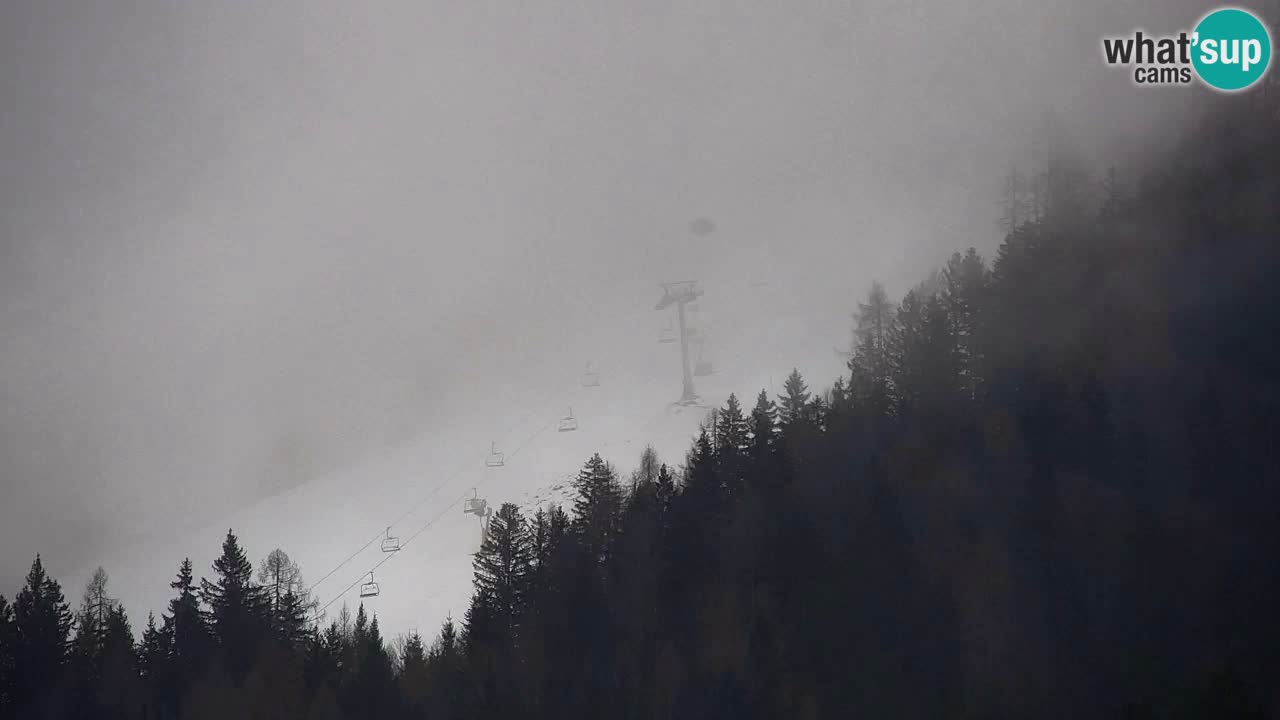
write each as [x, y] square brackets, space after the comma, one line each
[418, 488]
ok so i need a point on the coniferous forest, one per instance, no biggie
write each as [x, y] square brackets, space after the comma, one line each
[1047, 487]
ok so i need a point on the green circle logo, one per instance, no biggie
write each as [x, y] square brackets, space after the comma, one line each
[1232, 49]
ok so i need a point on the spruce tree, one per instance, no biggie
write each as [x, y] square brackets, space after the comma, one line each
[539, 530]
[763, 427]
[8, 639]
[504, 567]
[665, 488]
[42, 623]
[370, 693]
[793, 404]
[153, 652]
[118, 692]
[965, 296]
[597, 506]
[186, 633]
[414, 678]
[927, 372]
[732, 444]
[237, 608]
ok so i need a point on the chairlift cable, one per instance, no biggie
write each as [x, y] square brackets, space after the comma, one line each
[424, 528]
[450, 506]
[412, 509]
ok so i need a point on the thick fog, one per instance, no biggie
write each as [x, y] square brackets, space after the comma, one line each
[245, 243]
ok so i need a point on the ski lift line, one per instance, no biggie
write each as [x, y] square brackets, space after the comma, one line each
[408, 512]
[412, 509]
[462, 498]
[449, 507]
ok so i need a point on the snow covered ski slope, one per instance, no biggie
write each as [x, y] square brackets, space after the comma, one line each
[333, 525]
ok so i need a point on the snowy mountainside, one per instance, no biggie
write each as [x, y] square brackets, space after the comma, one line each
[333, 525]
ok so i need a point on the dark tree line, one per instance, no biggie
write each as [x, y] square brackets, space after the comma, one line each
[1046, 488]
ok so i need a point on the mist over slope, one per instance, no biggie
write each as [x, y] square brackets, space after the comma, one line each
[419, 485]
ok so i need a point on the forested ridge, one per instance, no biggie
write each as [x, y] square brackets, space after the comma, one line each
[1046, 488]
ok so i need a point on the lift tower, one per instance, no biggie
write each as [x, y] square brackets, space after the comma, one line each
[680, 294]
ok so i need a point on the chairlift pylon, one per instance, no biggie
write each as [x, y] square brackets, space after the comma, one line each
[568, 423]
[495, 459]
[369, 589]
[390, 543]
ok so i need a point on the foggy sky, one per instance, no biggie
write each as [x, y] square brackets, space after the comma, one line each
[234, 233]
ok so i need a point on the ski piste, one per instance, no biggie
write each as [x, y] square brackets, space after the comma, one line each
[335, 524]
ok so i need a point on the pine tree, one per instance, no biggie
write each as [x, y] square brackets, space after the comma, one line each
[597, 506]
[238, 609]
[42, 623]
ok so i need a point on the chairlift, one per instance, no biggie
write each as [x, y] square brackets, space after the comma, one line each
[475, 506]
[668, 334]
[390, 543]
[495, 459]
[590, 378]
[369, 589]
[568, 423]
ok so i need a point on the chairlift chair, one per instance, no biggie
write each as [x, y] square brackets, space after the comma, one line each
[590, 378]
[568, 423]
[495, 459]
[369, 589]
[475, 506]
[390, 543]
[668, 334]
